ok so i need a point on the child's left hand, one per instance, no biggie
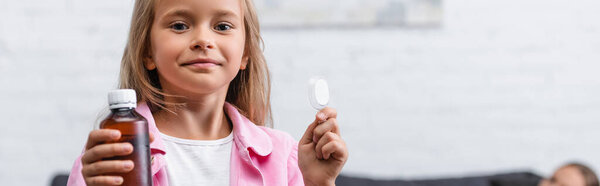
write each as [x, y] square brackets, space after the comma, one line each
[321, 152]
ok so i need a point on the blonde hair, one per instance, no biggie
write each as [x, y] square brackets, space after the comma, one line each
[249, 91]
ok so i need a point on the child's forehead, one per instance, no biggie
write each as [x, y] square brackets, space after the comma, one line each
[218, 7]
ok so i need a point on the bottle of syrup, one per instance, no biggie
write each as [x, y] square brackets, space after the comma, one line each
[134, 129]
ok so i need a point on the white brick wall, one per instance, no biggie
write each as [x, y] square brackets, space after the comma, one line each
[503, 85]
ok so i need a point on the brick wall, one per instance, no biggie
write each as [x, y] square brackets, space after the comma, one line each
[502, 85]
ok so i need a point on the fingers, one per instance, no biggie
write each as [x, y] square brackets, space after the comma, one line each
[325, 114]
[94, 169]
[100, 136]
[106, 151]
[104, 167]
[151, 137]
[308, 134]
[328, 126]
[324, 117]
[327, 137]
[104, 180]
[335, 149]
[330, 145]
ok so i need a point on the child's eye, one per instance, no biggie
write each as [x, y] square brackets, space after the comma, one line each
[179, 26]
[222, 27]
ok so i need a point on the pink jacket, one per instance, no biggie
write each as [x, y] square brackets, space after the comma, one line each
[259, 156]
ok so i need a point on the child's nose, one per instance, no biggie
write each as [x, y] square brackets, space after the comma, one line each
[202, 45]
[202, 40]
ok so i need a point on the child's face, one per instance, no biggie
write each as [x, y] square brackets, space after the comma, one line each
[565, 176]
[197, 45]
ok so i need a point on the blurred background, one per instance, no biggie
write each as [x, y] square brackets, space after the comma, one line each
[424, 89]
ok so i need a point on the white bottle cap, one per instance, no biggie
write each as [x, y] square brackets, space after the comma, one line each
[122, 98]
[318, 93]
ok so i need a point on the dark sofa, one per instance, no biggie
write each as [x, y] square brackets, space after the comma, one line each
[508, 179]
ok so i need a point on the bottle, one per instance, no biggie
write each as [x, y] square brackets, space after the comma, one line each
[134, 129]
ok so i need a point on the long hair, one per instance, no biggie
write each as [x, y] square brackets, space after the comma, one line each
[249, 91]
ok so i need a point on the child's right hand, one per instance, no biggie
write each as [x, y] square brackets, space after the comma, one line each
[96, 171]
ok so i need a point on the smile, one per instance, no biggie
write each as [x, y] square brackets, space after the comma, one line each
[201, 63]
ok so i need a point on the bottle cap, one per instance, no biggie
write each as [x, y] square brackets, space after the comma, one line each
[318, 93]
[122, 98]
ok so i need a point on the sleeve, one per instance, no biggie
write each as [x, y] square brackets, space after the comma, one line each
[294, 174]
[75, 177]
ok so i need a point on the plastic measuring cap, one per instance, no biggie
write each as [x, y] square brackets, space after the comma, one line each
[318, 92]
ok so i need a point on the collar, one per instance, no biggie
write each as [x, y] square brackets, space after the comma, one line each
[245, 133]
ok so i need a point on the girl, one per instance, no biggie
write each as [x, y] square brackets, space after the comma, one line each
[203, 86]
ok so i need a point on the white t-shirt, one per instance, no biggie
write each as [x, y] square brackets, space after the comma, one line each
[197, 162]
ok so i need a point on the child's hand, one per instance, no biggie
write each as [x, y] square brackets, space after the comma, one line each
[95, 170]
[321, 152]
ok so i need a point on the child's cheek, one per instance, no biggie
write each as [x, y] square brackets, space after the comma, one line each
[170, 49]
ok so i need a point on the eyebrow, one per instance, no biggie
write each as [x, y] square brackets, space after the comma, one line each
[188, 14]
[179, 13]
[226, 13]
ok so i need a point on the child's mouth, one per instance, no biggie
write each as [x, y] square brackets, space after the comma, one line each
[201, 63]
